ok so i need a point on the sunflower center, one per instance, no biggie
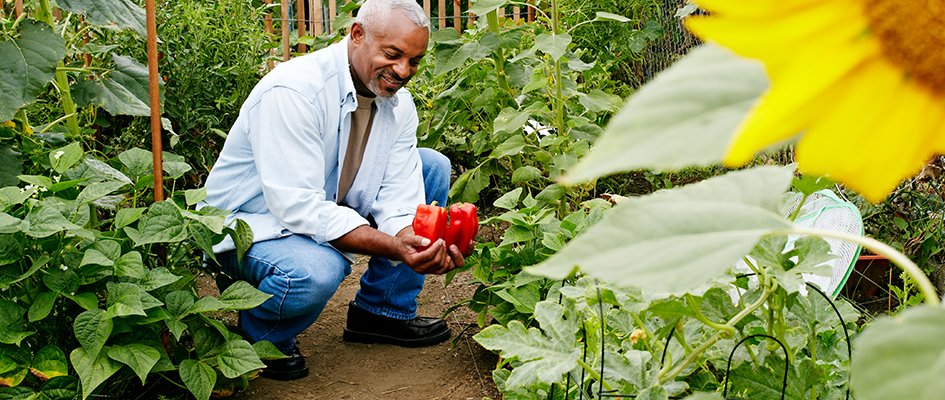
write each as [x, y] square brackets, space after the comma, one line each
[912, 36]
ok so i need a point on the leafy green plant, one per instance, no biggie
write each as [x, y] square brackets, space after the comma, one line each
[97, 285]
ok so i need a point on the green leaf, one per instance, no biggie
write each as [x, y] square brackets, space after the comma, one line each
[10, 196]
[42, 306]
[525, 174]
[46, 221]
[237, 358]
[62, 281]
[27, 65]
[49, 362]
[481, 7]
[138, 162]
[553, 45]
[123, 92]
[194, 196]
[131, 265]
[140, 357]
[163, 223]
[242, 237]
[11, 319]
[124, 299]
[686, 116]
[111, 14]
[10, 164]
[95, 257]
[86, 300]
[96, 191]
[178, 303]
[127, 216]
[598, 100]
[60, 388]
[510, 120]
[509, 200]
[509, 147]
[901, 357]
[92, 328]
[97, 171]
[808, 185]
[157, 278]
[267, 351]
[11, 251]
[705, 396]
[215, 222]
[242, 296]
[206, 304]
[198, 377]
[542, 359]
[65, 157]
[93, 371]
[606, 16]
[174, 166]
[676, 240]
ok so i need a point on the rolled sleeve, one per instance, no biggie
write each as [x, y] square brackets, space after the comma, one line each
[286, 133]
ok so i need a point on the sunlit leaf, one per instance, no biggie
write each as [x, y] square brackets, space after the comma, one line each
[27, 65]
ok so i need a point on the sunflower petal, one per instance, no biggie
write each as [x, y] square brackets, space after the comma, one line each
[758, 8]
[877, 134]
[796, 98]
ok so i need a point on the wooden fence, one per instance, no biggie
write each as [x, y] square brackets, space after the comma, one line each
[318, 17]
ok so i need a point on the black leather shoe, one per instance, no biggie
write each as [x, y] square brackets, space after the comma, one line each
[286, 369]
[365, 327]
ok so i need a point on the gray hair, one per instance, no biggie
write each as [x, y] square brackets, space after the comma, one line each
[373, 11]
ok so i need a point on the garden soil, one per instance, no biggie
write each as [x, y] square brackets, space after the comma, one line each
[458, 369]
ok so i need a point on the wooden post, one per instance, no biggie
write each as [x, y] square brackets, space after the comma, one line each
[154, 90]
[426, 10]
[471, 21]
[86, 58]
[300, 18]
[530, 16]
[272, 52]
[457, 21]
[284, 7]
[500, 12]
[332, 15]
[318, 20]
[18, 5]
[516, 13]
[441, 14]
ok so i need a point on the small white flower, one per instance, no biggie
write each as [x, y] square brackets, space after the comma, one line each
[42, 189]
[57, 155]
[57, 178]
[63, 267]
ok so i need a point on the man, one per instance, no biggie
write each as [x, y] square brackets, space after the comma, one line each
[322, 161]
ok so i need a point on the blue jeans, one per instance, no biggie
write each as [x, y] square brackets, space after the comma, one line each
[301, 275]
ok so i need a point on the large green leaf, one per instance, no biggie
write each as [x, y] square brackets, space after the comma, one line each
[242, 296]
[140, 357]
[553, 45]
[162, 224]
[902, 357]
[65, 157]
[481, 7]
[198, 377]
[92, 328]
[111, 14]
[124, 299]
[92, 371]
[237, 358]
[49, 362]
[542, 359]
[686, 116]
[14, 326]
[123, 92]
[27, 64]
[10, 164]
[675, 240]
[47, 220]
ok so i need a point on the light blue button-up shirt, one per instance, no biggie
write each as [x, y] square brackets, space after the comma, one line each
[280, 165]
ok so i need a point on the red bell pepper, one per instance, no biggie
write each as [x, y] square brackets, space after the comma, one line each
[430, 222]
[464, 224]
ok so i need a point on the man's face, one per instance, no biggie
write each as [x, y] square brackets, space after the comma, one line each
[387, 57]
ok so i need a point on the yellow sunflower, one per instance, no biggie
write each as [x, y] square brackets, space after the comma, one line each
[863, 81]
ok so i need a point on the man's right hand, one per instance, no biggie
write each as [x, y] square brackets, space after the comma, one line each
[435, 259]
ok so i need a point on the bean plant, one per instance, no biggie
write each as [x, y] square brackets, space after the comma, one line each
[97, 285]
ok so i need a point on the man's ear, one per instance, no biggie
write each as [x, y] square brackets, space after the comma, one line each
[357, 33]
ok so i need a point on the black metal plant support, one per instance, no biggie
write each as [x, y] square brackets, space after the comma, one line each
[601, 393]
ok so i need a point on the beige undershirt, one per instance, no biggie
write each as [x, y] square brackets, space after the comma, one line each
[361, 120]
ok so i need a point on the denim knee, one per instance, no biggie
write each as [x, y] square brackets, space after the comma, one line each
[436, 175]
[307, 292]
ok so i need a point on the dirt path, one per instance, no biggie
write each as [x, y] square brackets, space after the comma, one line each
[458, 369]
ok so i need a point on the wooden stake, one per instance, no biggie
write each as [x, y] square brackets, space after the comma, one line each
[332, 15]
[154, 90]
[272, 52]
[284, 7]
[18, 5]
[441, 13]
[457, 21]
[516, 11]
[318, 19]
[426, 10]
[300, 16]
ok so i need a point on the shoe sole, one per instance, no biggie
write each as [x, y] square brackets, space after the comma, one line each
[372, 338]
[285, 375]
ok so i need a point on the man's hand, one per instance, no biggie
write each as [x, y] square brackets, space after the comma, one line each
[436, 259]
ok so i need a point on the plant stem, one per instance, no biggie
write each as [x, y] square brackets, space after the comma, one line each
[594, 375]
[559, 95]
[880, 248]
[493, 19]
[798, 209]
[61, 81]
